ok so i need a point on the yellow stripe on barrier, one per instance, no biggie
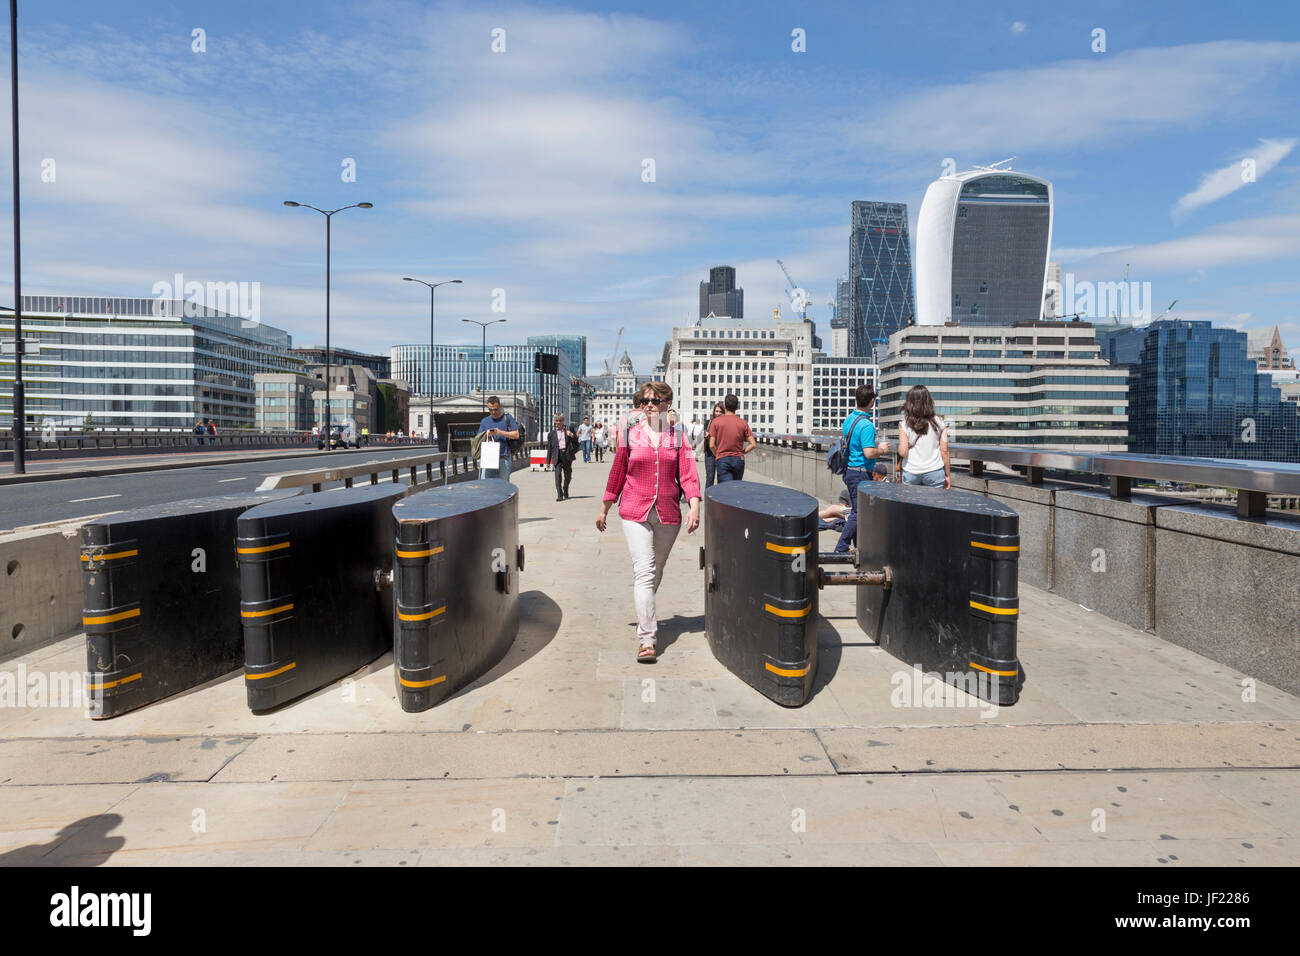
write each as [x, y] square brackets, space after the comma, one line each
[420, 554]
[422, 683]
[268, 612]
[109, 557]
[995, 547]
[788, 549]
[785, 671]
[280, 670]
[108, 685]
[263, 549]
[989, 670]
[1009, 611]
[110, 618]
[421, 617]
[782, 612]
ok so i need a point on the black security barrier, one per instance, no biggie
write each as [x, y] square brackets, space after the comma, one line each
[161, 608]
[760, 603]
[951, 605]
[457, 559]
[316, 598]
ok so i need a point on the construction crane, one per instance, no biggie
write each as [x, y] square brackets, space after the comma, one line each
[798, 298]
[612, 363]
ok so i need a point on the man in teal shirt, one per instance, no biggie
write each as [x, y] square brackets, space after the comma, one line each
[859, 446]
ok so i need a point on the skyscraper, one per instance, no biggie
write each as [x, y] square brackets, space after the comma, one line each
[575, 347]
[719, 296]
[880, 274]
[1194, 390]
[982, 241]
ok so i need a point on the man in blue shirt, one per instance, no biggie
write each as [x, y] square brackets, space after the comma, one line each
[859, 433]
[501, 428]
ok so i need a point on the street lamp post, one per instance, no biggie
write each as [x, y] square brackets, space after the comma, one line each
[432, 286]
[328, 214]
[483, 361]
[19, 406]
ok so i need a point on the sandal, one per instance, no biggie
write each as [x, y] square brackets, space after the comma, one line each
[647, 654]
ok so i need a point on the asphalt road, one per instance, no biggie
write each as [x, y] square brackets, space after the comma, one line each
[64, 499]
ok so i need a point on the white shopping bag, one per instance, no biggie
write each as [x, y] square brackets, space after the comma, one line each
[489, 453]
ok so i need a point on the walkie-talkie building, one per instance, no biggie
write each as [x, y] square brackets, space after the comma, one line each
[982, 241]
[880, 275]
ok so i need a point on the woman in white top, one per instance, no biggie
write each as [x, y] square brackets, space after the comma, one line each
[923, 442]
[598, 441]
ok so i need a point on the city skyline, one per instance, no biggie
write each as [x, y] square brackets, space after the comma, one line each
[165, 159]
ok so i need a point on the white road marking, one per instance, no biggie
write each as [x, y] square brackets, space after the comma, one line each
[75, 501]
[222, 481]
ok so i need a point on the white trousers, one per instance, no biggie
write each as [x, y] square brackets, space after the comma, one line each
[649, 542]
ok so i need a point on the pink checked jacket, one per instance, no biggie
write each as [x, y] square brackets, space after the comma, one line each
[645, 474]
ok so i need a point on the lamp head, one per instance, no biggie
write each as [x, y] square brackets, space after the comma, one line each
[365, 205]
[290, 202]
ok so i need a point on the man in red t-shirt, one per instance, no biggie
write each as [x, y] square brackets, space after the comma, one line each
[730, 440]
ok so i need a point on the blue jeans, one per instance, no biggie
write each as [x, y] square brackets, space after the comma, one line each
[586, 450]
[933, 479]
[710, 470]
[849, 536]
[730, 468]
[503, 472]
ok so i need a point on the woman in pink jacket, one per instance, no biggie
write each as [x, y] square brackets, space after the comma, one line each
[653, 467]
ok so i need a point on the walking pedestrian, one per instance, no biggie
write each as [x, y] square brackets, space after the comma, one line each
[198, 433]
[502, 428]
[860, 450]
[923, 442]
[212, 432]
[561, 449]
[731, 439]
[599, 440]
[710, 460]
[584, 439]
[653, 468]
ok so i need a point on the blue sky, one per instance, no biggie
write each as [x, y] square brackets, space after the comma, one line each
[522, 170]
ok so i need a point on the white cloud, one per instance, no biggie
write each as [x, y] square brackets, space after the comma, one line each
[1084, 103]
[1265, 239]
[1018, 27]
[1223, 182]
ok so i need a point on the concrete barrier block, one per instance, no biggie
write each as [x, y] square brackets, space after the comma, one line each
[1229, 588]
[40, 586]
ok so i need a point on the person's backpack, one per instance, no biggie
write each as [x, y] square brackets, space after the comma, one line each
[837, 459]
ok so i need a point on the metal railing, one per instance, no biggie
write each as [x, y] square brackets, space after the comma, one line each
[1253, 481]
[136, 440]
[449, 465]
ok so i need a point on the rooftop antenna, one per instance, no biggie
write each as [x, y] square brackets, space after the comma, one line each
[997, 165]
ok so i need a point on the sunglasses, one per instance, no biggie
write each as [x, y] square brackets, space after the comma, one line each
[652, 401]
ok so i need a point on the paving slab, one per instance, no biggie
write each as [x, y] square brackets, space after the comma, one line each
[115, 760]
[1063, 747]
[415, 756]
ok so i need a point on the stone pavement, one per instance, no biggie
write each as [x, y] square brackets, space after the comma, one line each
[1123, 749]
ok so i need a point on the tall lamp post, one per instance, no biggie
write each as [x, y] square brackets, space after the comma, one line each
[483, 363]
[432, 286]
[19, 406]
[328, 214]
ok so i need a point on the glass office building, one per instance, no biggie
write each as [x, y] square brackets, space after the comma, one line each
[982, 241]
[464, 369]
[880, 275]
[1194, 390]
[720, 296]
[138, 363]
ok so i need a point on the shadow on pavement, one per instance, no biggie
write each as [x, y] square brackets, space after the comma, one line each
[539, 621]
[91, 834]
